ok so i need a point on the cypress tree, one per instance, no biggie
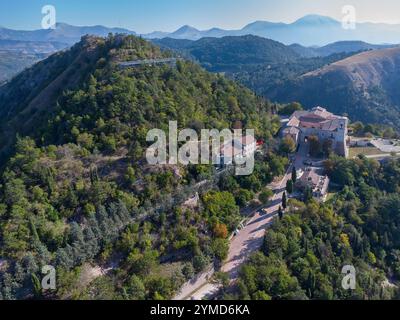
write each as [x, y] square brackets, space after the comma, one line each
[37, 288]
[280, 213]
[289, 186]
[294, 174]
[284, 201]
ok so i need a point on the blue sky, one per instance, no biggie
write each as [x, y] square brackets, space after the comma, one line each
[167, 15]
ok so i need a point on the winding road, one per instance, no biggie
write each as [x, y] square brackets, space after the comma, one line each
[249, 240]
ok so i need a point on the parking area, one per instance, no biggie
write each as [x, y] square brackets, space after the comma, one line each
[386, 145]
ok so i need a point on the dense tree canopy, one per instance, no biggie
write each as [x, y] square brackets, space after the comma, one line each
[304, 253]
[77, 193]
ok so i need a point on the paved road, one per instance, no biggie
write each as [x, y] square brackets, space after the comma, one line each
[249, 240]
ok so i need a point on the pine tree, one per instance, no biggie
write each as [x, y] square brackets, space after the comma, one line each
[91, 246]
[7, 286]
[311, 282]
[123, 211]
[76, 233]
[43, 254]
[94, 226]
[29, 263]
[35, 235]
[64, 259]
[18, 273]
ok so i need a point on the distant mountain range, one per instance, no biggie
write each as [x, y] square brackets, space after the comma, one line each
[336, 75]
[31, 47]
[22, 48]
[311, 30]
[16, 55]
[336, 47]
[63, 33]
[250, 49]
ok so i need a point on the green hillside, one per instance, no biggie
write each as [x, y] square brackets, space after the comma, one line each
[363, 86]
[75, 190]
[232, 54]
[265, 66]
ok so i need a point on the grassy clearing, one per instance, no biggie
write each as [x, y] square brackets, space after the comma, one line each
[367, 151]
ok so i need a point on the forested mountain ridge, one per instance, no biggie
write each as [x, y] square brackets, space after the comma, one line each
[63, 32]
[263, 65]
[34, 93]
[364, 86]
[76, 192]
[336, 47]
[37, 89]
[31, 47]
[231, 54]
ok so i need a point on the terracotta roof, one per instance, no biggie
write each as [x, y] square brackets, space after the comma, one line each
[291, 130]
[230, 150]
[318, 118]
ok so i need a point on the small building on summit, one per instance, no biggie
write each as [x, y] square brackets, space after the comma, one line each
[321, 123]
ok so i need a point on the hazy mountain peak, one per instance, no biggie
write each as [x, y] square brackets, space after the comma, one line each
[262, 24]
[62, 25]
[215, 29]
[186, 28]
[187, 32]
[315, 19]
